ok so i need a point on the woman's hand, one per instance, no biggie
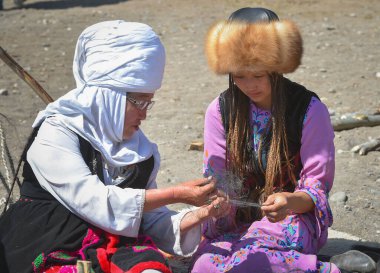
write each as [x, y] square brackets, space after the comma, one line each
[276, 207]
[196, 192]
[219, 207]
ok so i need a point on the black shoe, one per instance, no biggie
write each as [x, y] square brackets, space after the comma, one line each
[354, 261]
[372, 251]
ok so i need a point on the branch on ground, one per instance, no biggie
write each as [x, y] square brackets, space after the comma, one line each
[351, 121]
[364, 148]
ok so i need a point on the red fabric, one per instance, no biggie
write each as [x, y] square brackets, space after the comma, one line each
[53, 269]
[147, 265]
[108, 249]
[103, 254]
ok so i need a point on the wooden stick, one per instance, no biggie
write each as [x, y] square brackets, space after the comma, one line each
[36, 88]
[355, 121]
[25, 76]
[366, 147]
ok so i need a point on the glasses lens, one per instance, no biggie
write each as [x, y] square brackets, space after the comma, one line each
[150, 105]
[141, 104]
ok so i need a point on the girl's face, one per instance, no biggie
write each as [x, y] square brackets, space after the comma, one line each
[256, 85]
[133, 112]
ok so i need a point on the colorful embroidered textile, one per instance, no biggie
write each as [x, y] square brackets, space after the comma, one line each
[56, 239]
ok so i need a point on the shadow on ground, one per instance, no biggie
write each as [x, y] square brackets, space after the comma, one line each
[65, 4]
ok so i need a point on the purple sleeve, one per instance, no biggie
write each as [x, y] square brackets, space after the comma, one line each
[214, 141]
[318, 160]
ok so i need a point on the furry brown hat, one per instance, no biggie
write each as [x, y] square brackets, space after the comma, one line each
[233, 46]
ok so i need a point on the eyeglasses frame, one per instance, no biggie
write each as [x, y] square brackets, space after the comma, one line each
[141, 104]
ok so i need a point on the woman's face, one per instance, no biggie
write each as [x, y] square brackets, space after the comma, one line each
[256, 85]
[134, 115]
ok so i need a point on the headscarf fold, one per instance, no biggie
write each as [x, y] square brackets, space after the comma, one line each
[111, 59]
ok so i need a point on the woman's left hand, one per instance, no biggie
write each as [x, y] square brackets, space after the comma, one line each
[219, 207]
[276, 207]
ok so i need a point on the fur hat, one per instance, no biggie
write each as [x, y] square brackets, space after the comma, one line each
[262, 45]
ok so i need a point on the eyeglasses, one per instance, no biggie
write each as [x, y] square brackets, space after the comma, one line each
[141, 104]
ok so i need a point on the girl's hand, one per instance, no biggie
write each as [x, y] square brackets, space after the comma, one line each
[276, 207]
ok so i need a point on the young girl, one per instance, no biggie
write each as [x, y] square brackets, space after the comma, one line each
[276, 137]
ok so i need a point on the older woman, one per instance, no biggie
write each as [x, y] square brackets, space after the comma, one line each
[89, 189]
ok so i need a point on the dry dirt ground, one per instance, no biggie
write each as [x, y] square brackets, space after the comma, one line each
[341, 58]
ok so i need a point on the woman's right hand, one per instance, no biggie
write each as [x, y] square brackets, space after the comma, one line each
[196, 192]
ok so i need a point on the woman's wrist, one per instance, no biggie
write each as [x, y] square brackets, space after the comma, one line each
[176, 194]
[192, 219]
[155, 198]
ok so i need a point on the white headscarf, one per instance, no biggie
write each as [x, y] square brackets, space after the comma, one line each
[111, 59]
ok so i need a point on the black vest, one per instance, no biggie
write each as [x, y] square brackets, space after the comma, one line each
[297, 101]
[137, 179]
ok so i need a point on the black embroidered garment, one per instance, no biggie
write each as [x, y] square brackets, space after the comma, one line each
[57, 238]
[297, 100]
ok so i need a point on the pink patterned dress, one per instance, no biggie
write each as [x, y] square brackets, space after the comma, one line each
[290, 245]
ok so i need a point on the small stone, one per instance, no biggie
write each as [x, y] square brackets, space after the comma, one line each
[377, 74]
[339, 197]
[332, 90]
[4, 92]
[331, 112]
[367, 205]
[347, 208]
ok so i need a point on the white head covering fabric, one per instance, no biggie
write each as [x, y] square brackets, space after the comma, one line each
[111, 59]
